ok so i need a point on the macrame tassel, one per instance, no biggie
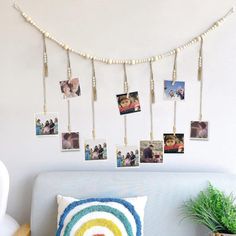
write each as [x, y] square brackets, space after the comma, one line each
[94, 89]
[126, 85]
[94, 82]
[152, 85]
[200, 60]
[174, 73]
[45, 58]
[152, 92]
[69, 71]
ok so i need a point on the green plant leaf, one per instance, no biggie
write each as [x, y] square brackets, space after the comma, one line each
[214, 209]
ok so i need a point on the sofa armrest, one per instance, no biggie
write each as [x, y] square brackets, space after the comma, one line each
[24, 230]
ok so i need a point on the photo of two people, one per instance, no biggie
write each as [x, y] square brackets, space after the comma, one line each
[70, 141]
[70, 88]
[199, 130]
[174, 92]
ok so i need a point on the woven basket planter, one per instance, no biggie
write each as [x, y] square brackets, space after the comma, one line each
[221, 234]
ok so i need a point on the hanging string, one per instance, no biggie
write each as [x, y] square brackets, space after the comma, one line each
[44, 95]
[200, 60]
[152, 100]
[45, 57]
[174, 126]
[126, 91]
[94, 97]
[69, 72]
[174, 73]
[194, 40]
[200, 110]
[68, 115]
[69, 75]
[126, 86]
[200, 75]
[125, 131]
[94, 83]
[152, 84]
[45, 74]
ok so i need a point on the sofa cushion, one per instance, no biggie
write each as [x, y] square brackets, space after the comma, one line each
[100, 216]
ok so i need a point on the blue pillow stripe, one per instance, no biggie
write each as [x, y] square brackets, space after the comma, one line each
[99, 208]
[126, 204]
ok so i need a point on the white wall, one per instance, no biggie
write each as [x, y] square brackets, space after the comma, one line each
[114, 29]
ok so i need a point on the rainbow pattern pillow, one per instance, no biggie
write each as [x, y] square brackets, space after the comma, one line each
[100, 216]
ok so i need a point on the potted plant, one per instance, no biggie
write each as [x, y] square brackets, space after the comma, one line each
[214, 209]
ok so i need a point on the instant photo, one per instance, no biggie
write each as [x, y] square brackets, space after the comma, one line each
[95, 149]
[199, 130]
[70, 141]
[174, 92]
[46, 124]
[173, 143]
[151, 152]
[70, 88]
[127, 156]
[128, 103]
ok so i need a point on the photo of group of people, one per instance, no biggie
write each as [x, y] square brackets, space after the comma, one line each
[174, 91]
[95, 149]
[46, 124]
[174, 143]
[70, 141]
[70, 88]
[127, 156]
[199, 130]
[128, 103]
[151, 151]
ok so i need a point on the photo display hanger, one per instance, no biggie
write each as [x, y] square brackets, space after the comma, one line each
[199, 129]
[128, 102]
[174, 142]
[94, 149]
[70, 140]
[46, 123]
[151, 151]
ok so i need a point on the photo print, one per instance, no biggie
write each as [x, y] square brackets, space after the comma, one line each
[46, 124]
[127, 156]
[95, 149]
[70, 141]
[199, 130]
[70, 88]
[174, 92]
[128, 104]
[173, 143]
[151, 152]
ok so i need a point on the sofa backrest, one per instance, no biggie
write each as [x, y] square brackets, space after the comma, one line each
[4, 188]
[166, 193]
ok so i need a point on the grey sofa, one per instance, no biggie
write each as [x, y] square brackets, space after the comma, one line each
[166, 192]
